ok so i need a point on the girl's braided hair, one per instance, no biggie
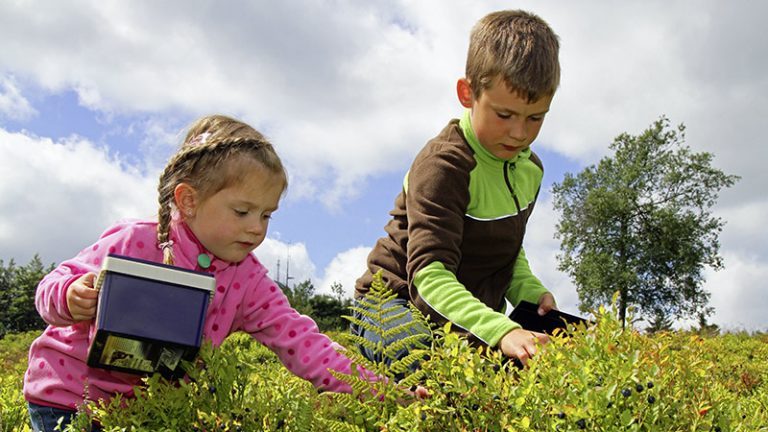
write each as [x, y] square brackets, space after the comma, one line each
[213, 156]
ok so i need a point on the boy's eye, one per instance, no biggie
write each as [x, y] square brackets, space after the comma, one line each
[503, 115]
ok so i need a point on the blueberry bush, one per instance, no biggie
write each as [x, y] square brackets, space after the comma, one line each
[596, 378]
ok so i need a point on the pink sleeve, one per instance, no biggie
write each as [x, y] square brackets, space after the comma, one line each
[51, 295]
[295, 338]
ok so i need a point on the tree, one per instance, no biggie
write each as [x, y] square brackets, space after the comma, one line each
[659, 322]
[639, 223]
[338, 290]
[328, 312]
[705, 328]
[17, 296]
[300, 295]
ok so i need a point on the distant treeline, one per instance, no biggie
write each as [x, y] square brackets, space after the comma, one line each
[19, 282]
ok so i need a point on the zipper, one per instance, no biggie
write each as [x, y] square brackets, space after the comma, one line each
[510, 167]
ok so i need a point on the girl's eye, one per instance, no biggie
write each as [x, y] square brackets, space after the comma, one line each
[241, 213]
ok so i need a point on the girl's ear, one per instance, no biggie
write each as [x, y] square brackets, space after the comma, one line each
[464, 92]
[185, 198]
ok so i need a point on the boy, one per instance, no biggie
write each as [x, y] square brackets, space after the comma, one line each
[454, 244]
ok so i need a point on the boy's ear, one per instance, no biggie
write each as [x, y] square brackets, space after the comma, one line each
[185, 198]
[464, 92]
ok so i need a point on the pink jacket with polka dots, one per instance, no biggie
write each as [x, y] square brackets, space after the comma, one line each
[246, 299]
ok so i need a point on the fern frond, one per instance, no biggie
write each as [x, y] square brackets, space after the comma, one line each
[361, 341]
[389, 312]
[338, 426]
[373, 316]
[412, 342]
[402, 366]
[413, 379]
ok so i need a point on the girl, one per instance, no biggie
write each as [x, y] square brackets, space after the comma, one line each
[216, 196]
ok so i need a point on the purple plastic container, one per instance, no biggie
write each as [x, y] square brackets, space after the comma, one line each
[150, 316]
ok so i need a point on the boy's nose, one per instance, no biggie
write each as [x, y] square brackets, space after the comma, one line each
[518, 131]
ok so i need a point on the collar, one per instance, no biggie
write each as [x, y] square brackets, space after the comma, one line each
[188, 248]
[465, 123]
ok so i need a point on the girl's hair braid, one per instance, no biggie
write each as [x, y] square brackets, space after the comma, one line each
[217, 152]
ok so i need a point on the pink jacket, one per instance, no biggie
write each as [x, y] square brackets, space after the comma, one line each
[246, 299]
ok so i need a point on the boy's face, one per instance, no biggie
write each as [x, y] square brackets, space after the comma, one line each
[504, 122]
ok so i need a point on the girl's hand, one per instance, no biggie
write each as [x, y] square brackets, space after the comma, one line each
[82, 298]
[522, 344]
[546, 303]
[415, 393]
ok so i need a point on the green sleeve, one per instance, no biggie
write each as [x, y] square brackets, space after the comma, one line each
[524, 285]
[439, 288]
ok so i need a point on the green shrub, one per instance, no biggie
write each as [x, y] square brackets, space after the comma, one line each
[14, 349]
[601, 378]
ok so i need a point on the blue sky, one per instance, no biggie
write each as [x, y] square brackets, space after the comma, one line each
[94, 97]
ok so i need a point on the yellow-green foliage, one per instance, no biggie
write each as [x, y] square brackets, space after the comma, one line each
[600, 378]
[13, 364]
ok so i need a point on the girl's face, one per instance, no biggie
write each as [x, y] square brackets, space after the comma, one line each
[233, 222]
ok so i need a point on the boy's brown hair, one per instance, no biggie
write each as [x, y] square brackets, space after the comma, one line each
[520, 48]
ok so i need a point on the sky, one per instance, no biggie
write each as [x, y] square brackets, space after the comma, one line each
[95, 97]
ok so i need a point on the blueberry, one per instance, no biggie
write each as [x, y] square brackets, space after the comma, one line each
[649, 385]
[651, 399]
[581, 423]
[423, 416]
[639, 388]
[626, 392]
[212, 388]
[413, 388]
[475, 407]
[280, 423]
[561, 415]
[496, 368]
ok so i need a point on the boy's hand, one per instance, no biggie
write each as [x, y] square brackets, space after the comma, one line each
[522, 344]
[82, 298]
[546, 303]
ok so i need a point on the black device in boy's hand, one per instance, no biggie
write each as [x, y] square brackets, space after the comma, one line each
[527, 315]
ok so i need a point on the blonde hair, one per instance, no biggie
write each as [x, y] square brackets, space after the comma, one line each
[210, 159]
[520, 48]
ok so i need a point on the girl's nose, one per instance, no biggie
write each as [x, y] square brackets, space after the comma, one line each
[258, 227]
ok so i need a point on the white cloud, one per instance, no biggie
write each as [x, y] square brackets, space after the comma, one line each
[278, 257]
[738, 293]
[57, 197]
[345, 268]
[286, 260]
[353, 91]
[13, 104]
